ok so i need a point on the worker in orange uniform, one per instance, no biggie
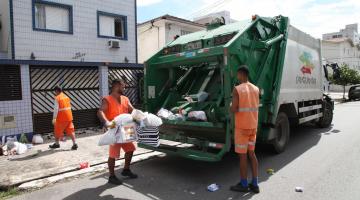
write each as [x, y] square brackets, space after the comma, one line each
[62, 119]
[245, 104]
[113, 105]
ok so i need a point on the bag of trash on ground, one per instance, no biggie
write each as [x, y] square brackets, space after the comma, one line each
[152, 120]
[197, 116]
[37, 139]
[16, 148]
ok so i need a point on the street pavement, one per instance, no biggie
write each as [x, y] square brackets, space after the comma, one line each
[325, 162]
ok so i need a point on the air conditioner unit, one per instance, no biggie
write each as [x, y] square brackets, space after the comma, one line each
[7, 122]
[114, 44]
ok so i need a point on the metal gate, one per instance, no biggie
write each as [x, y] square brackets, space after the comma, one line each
[134, 80]
[81, 84]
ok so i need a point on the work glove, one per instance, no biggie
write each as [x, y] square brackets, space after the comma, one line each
[110, 124]
[54, 121]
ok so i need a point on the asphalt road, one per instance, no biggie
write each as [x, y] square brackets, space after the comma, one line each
[325, 162]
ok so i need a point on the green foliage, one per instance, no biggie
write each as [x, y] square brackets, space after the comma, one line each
[9, 193]
[348, 76]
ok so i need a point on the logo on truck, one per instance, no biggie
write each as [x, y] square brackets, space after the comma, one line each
[307, 67]
[307, 61]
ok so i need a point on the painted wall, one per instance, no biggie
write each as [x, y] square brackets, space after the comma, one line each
[342, 52]
[5, 39]
[84, 40]
[20, 109]
[152, 39]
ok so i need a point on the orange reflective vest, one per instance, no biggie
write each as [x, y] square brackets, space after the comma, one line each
[64, 112]
[115, 108]
[247, 115]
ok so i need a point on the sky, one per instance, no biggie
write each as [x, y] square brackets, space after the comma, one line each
[314, 17]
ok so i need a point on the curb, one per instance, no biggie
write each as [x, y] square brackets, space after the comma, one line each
[40, 183]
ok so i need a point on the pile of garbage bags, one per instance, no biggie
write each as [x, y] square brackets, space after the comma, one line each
[138, 126]
[181, 116]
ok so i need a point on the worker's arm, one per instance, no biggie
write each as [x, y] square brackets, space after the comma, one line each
[234, 107]
[104, 106]
[131, 107]
[55, 112]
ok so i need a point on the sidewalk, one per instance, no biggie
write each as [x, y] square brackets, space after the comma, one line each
[40, 161]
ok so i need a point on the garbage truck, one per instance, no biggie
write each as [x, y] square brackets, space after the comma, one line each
[197, 72]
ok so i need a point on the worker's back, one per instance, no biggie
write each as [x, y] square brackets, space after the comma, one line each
[247, 115]
[65, 113]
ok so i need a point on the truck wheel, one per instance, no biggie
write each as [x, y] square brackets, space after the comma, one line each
[282, 133]
[326, 119]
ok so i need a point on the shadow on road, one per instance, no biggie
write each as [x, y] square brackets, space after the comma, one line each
[173, 177]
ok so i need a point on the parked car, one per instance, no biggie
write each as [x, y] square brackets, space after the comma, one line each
[354, 92]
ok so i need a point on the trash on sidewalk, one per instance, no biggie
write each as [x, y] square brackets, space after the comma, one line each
[84, 165]
[197, 116]
[213, 187]
[16, 148]
[299, 189]
[37, 139]
[270, 171]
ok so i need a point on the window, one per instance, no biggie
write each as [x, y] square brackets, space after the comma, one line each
[10, 83]
[112, 25]
[52, 17]
[183, 32]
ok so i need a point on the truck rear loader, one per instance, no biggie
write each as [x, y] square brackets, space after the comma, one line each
[284, 62]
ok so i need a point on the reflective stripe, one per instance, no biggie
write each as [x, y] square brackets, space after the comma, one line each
[63, 109]
[251, 143]
[248, 110]
[241, 146]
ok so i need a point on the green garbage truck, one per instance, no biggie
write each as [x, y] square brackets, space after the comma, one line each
[197, 72]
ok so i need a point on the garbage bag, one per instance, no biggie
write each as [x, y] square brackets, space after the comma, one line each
[197, 116]
[37, 139]
[152, 120]
[138, 115]
[123, 119]
[126, 133]
[16, 147]
[148, 135]
[164, 113]
[109, 137]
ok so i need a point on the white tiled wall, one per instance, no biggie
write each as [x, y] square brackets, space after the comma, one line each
[21, 109]
[63, 47]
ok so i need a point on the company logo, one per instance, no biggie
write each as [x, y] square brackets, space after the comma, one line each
[307, 61]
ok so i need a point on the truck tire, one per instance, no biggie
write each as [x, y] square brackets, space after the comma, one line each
[326, 119]
[282, 127]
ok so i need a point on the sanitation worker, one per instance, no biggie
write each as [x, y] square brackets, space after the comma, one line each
[62, 119]
[113, 105]
[245, 104]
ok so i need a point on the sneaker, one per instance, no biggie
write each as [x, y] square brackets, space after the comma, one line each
[114, 180]
[254, 189]
[128, 173]
[74, 147]
[54, 146]
[239, 188]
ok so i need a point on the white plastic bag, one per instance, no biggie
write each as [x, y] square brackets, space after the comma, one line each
[123, 119]
[108, 137]
[138, 115]
[37, 139]
[152, 120]
[20, 148]
[126, 133]
[197, 116]
[165, 114]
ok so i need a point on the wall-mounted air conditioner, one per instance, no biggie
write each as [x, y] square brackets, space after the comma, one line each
[114, 44]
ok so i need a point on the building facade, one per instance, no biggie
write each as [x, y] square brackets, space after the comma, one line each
[78, 44]
[154, 34]
[342, 47]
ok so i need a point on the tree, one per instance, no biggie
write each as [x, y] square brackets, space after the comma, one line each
[348, 76]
